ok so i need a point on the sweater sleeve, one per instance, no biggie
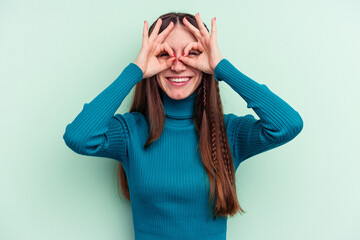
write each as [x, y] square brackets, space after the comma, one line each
[278, 124]
[96, 131]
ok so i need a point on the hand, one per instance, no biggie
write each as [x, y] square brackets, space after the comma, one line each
[151, 47]
[210, 54]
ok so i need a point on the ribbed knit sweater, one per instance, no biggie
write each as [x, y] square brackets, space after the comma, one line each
[169, 189]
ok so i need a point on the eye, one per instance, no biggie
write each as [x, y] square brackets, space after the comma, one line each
[163, 54]
[193, 53]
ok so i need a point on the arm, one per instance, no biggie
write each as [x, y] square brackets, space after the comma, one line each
[96, 131]
[278, 124]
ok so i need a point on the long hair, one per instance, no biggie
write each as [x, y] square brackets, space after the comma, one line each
[209, 125]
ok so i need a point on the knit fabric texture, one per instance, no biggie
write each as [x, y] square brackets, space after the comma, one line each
[168, 184]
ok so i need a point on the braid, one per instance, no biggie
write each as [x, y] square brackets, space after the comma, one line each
[213, 134]
[213, 137]
[224, 149]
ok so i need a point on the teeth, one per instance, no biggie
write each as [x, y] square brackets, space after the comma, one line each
[178, 79]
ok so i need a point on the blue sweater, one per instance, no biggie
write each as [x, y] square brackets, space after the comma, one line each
[169, 188]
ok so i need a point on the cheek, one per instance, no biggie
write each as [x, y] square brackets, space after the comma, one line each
[199, 79]
[158, 79]
[161, 83]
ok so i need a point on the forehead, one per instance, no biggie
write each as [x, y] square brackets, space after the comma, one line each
[179, 37]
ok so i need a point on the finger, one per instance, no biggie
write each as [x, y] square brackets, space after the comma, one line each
[145, 31]
[192, 28]
[166, 31]
[156, 29]
[168, 49]
[188, 48]
[164, 47]
[213, 28]
[201, 25]
[169, 62]
[188, 61]
[193, 45]
[165, 64]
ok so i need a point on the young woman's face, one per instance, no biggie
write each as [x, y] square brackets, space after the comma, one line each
[178, 39]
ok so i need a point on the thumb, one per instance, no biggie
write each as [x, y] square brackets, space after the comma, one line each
[187, 61]
[167, 64]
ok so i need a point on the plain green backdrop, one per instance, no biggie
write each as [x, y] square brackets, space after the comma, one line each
[57, 55]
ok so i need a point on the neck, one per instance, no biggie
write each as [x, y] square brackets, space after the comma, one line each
[178, 109]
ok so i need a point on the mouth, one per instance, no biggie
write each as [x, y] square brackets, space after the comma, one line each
[179, 81]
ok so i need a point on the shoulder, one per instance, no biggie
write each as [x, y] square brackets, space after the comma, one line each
[230, 119]
[131, 118]
[233, 123]
[133, 121]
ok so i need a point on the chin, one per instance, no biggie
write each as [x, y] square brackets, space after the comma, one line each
[178, 95]
[179, 92]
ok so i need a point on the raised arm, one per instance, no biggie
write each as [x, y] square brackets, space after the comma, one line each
[96, 131]
[279, 122]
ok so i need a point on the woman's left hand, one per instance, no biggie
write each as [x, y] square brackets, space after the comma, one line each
[210, 54]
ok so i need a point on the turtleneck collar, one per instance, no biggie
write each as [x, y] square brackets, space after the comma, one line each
[182, 109]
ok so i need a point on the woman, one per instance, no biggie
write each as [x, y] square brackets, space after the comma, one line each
[177, 150]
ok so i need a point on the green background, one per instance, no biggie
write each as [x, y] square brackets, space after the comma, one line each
[57, 55]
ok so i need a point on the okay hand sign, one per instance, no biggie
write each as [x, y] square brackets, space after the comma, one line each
[210, 54]
[151, 47]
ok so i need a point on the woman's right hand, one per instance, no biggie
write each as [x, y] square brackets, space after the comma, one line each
[151, 47]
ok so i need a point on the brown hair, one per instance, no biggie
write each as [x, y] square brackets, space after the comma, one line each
[209, 125]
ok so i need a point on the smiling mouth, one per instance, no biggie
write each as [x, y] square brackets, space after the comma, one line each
[178, 79]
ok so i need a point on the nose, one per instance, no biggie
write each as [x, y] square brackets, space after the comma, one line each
[178, 66]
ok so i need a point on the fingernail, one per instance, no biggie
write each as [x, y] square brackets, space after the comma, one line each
[174, 54]
[215, 18]
[174, 59]
[183, 54]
